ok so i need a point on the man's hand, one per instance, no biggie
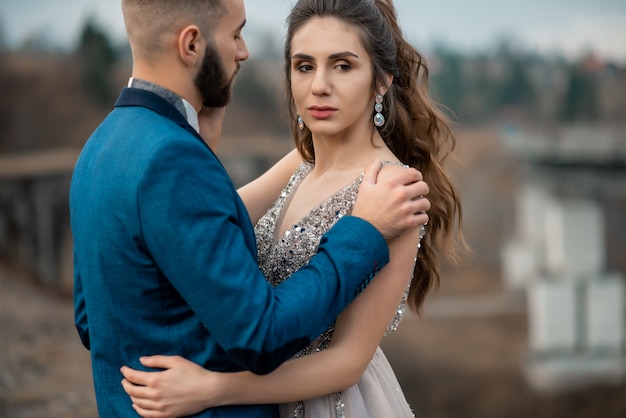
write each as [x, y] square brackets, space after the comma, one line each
[392, 199]
[210, 120]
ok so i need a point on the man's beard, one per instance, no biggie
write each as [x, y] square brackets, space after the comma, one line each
[212, 81]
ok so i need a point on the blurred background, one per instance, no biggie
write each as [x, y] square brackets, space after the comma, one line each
[530, 324]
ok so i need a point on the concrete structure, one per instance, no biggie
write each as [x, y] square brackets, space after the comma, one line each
[558, 255]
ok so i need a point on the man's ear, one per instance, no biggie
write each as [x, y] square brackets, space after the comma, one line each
[190, 45]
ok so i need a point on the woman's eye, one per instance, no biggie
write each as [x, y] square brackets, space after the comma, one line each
[305, 67]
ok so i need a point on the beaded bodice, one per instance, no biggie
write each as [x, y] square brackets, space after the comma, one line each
[281, 256]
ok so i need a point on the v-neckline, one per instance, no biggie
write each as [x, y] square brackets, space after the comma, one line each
[279, 233]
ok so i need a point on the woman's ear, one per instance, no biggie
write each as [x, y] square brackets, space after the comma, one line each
[190, 45]
[382, 89]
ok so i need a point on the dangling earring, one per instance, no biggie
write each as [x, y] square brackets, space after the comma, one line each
[379, 119]
[300, 121]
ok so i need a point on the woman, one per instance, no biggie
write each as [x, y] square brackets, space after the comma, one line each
[358, 91]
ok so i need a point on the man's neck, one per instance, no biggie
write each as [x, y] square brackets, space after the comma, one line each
[183, 106]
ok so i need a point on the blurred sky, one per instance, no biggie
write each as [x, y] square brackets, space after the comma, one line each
[566, 26]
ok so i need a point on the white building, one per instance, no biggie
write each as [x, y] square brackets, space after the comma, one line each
[557, 256]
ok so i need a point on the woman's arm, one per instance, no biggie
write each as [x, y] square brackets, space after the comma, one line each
[259, 194]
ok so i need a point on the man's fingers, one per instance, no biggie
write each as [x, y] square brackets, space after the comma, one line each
[416, 210]
[421, 204]
[370, 175]
[421, 200]
[417, 191]
[400, 175]
[410, 175]
[421, 218]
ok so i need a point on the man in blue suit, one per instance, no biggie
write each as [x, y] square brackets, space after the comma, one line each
[164, 250]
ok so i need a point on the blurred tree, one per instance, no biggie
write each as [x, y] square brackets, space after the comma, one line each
[97, 58]
[580, 102]
[481, 84]
[516, 88]
[447, 81]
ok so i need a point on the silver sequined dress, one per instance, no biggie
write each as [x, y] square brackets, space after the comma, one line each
[378, 393]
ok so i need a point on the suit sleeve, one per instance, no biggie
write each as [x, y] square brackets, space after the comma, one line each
[191, 224]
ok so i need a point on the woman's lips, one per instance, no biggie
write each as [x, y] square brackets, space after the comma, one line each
[321, 112]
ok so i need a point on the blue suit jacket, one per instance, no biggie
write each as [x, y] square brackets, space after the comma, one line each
[165, 259]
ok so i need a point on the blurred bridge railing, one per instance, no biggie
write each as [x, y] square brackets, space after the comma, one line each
[34, 214]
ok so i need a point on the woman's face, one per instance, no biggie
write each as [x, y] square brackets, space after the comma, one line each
[331, 77]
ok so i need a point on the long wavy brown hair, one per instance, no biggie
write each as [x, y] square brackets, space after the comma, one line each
[416, 130]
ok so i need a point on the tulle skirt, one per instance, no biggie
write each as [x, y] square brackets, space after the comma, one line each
[377, 395]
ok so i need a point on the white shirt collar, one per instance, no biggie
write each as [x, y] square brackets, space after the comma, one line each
[192, 115]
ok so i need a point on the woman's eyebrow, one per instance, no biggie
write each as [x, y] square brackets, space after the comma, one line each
[331, 56]
[343, 54]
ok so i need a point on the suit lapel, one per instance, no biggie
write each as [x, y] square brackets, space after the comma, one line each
[144, 98]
